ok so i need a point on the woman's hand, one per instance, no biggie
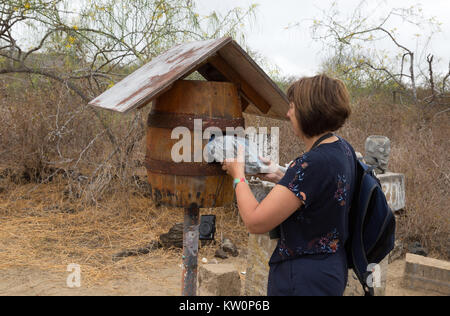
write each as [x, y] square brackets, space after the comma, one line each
[274, 174]
[235, 167]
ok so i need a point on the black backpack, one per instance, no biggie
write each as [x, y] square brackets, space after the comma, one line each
[371, 226]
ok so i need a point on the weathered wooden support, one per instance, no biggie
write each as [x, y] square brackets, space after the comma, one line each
[190, 250]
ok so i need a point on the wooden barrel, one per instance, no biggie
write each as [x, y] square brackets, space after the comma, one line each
[179, 184]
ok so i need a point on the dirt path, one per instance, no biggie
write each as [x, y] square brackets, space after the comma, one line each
[163, 277]
[37, 282]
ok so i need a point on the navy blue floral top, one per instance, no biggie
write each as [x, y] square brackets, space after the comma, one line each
[323, 179]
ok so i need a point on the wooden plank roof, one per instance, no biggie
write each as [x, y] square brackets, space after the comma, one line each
[217, 60]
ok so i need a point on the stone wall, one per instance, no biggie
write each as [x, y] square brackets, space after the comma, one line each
[428, 274]
[260, 248]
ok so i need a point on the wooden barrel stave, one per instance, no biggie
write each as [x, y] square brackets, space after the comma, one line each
[209, 186]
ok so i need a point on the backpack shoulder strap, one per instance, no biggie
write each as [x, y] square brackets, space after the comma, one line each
[361, 198]
[360, 262]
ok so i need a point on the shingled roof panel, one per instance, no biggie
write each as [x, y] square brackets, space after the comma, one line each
[155, 77]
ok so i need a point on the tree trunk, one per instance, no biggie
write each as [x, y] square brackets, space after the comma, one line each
[413, 78]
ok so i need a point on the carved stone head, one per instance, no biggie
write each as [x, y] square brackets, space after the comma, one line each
[378, 149]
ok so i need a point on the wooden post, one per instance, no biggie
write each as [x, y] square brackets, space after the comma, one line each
[190, 250]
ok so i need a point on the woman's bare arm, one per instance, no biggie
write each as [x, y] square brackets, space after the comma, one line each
[261, 218]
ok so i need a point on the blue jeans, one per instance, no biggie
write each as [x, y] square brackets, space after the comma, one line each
[312, 275]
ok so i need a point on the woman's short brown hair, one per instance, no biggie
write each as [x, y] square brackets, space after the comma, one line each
[322, 104]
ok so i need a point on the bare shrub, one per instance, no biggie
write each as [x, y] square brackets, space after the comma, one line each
[48, 132]
[420, 150]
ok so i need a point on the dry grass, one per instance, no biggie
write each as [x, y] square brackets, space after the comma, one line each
[65, 188]
[53, 224]
[420, 148]
[42, 228]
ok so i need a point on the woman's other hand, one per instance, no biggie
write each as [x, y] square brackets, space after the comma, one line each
[274, 174]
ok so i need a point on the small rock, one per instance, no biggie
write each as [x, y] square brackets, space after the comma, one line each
[417, 249]
[220, 254]
[229, 247]
[174, 237]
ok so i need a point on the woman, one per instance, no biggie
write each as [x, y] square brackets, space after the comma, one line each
[311, 201]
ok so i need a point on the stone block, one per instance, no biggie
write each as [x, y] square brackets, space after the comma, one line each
[260, 248]
[427, 274]
[218, 280]
[393, 185]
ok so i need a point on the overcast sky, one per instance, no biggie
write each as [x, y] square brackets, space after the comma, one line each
[294, 51]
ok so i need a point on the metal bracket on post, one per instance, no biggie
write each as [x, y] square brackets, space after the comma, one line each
[190, 250]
